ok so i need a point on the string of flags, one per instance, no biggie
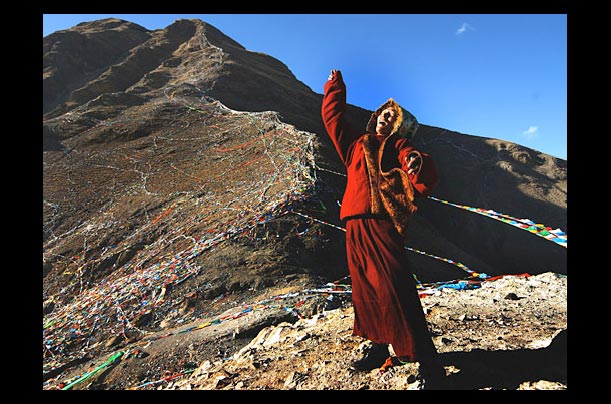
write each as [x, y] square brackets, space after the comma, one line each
[555, 235]
[450, 261]
[110, 361]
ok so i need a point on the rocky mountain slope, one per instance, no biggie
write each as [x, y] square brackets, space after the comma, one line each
[509, 334]
[185, 177]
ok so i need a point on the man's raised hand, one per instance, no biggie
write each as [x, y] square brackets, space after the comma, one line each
[334, 73]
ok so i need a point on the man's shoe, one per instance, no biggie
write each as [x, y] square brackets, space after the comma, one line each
[370, 356]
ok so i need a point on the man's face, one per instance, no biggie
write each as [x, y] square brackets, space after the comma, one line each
[386, 121]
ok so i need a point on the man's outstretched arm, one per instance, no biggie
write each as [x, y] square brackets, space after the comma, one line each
[333, 115]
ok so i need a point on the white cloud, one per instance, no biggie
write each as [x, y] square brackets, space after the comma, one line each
[463, 28]
[531, 132]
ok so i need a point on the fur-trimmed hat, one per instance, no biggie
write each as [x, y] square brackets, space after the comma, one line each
[405, 125]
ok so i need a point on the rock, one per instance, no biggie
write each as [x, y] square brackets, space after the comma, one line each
[542, 385]
[48, 306]
[142, 319]
[115, 340]
[293, 380]
[166, 323]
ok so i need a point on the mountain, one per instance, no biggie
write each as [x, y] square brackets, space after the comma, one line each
[184, 176]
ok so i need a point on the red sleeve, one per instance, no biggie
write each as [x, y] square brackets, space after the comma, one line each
[424, 180]
[333, 116]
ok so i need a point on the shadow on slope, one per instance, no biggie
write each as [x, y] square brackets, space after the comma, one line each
[508, 369]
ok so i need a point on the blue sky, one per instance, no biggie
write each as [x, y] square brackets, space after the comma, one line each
[501, 76]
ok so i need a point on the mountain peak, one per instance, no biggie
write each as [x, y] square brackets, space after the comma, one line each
[106, 24]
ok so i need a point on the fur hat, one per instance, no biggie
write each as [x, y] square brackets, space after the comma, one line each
[405, 126]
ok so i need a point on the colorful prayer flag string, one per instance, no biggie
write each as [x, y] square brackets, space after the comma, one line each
[449, 261]
[112, 360]
[557, 236]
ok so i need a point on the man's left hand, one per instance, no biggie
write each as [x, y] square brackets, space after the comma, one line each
[414, 161]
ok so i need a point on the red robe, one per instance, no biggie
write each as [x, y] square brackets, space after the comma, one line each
[387, 308]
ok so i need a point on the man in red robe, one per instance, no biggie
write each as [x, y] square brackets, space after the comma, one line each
[384, 175]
